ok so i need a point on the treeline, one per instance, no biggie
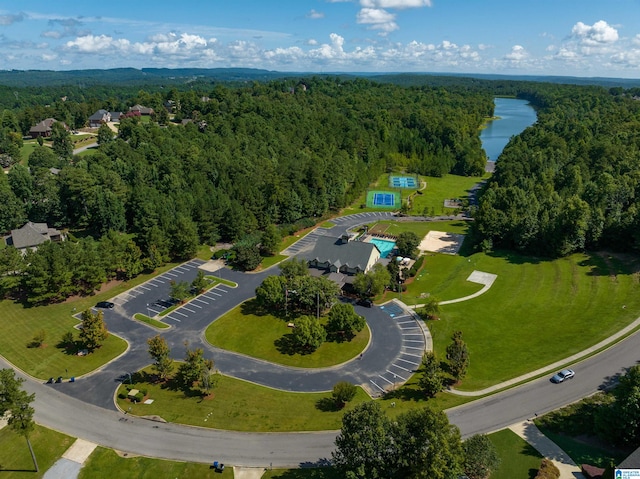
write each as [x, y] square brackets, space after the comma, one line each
[270, 154]
[572, 180]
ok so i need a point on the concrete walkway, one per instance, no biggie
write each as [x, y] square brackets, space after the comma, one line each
[247, 472]
[69, 465]
[551, 367]
[529, 432]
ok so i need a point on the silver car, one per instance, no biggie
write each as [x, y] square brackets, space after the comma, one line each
[562, 375]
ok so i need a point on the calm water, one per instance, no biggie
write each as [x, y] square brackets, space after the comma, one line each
[515, 115]
[384, 246]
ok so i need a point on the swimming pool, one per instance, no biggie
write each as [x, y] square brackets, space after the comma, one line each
[385, 246]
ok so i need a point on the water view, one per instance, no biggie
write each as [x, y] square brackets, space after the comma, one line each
[515, 115]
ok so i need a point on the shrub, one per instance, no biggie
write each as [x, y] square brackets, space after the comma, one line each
[37, 340]
[548, 470]
[342, 393]
[144, 392]
[139, 397]
[122, 395]
[416, 266]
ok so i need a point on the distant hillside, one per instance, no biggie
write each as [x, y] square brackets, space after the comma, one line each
[182, 76]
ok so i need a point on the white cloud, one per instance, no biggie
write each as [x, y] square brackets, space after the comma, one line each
[378, 19]
[518, 53]
[598, 34]
[397, 4]
[315, 15]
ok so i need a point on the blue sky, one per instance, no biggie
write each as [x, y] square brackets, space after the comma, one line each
[538, 37]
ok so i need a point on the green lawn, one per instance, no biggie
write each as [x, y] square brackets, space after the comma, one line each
[241, 406]
[143, 318]
[247, 330]
[537, 311]
[431, 201]
[517, 458]
[19, 324]
[26, 150]
[269, 261]
[107, 463]
[15, 458]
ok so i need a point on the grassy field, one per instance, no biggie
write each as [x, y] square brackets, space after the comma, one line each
[241, 406]
[20, 323]
[247, 330]
[105, 462]
[15, 459]
[26, 150]
[537, 312]
[517, 458]
[431, 201]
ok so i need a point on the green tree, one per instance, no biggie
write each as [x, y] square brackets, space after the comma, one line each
[364, 447]
[93, 331]
[17, 403]
[343, 320]
[12, 269]
[61, 139]
[407, 244]
[480, 457]
[161, 354]
[373, 282]
[105, 134]
[431, 382]
[200, 282]
[294, 268]
[271, 294]
[179, 290]
[308, 334]
[247, 256]
[184, 238]
[430, 309]
[195, 369]
[458, 356]
[619, 422]
[270, 240]
[342, 393]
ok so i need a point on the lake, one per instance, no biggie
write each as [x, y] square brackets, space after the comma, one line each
[515, 115]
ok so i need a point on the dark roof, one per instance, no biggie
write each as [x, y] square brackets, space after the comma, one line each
[32, 234]
[99, 115]
[43, 126]
[353, 254]
[115, 115]
[631, 462]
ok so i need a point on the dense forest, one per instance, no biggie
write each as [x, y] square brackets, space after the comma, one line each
[252, 157]
[572, 180]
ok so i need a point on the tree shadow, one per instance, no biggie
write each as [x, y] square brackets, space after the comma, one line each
[69, 348]
[514, 257]
[253, 307]
[327, 405]
[405, 394]
[340, 336]
[287, 345]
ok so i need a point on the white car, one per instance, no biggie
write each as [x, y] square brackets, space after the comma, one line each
[562, 375]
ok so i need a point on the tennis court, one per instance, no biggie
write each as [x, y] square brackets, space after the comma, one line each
[383, 199]
[403, 182]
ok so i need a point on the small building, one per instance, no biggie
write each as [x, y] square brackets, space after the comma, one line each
[342, 255]
[142, 110]
[43, 129]
[99, 118]
[32, 235]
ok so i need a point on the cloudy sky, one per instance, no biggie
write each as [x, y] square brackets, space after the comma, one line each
[549, 37]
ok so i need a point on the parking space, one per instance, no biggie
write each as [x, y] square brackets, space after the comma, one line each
[198, 305]
[408, 360]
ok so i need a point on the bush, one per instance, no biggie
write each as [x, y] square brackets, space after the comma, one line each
[548, 470]
[139, 397]
[144, 392]
[122, 395]
[342, 393]
[416, 266]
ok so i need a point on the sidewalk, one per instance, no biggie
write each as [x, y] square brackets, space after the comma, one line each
[529, 432]
[551, 367]
[69, 465]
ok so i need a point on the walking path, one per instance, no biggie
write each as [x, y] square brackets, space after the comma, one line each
[69, 465]
[529, 432]
[552, 367]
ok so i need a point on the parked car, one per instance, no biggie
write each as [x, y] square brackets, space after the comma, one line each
[367, 303]
[562, 375]
[105, 304]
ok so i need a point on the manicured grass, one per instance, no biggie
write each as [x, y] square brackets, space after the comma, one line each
[327, 224]
[248, 330]
[269, 261]
[107, 463]
[241, 406]
[289, 240]
[26, 150]
[537, 311]
[143, 318]
[303, 473]
[517, 458]
[431, 201]
[19, 324]
[217, 280]
[584, 453]
[204, 252]
[15, 458]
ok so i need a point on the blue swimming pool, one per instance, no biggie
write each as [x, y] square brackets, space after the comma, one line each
[385, 246]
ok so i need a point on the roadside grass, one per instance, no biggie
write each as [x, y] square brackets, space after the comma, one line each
[105, 462]
[20, 323]
[217, 280]
[584, 453]
[268, 261]
[517, 457]
[289, 240]
[302, 473]
[327, 224]
[239, 405]
[537, 312]
[15, 458]
[248, 330]
[143, 318]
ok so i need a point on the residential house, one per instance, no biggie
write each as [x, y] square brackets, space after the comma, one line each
[43, 128]
[32, 235]
[100, 117]
[143, 110]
